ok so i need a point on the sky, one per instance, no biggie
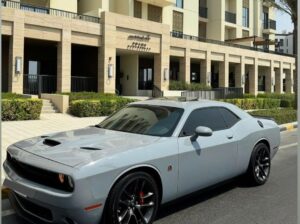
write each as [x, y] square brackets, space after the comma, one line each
[283, 22]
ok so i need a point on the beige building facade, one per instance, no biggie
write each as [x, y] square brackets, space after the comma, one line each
[135, 47]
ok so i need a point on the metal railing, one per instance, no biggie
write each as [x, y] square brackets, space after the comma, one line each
[49, 11]
[37, 84]
[84, 84]
[213, 94]
[230, 17]
[203, 12]
[180, 35]
[269, 24]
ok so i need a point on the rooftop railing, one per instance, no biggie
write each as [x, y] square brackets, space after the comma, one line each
[49, 11]
[180, 35]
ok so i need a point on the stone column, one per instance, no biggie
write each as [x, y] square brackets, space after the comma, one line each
[205, 70]
[224, 72]
[185, 67]
[240, 74]
[269, 78]
[289, 80]
[278, 79]
[64, 62]
[107, 56]
[16, 50]
[253, 78]
[162, 63]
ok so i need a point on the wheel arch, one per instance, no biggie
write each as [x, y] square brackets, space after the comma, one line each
[149, 169]
[265, 141]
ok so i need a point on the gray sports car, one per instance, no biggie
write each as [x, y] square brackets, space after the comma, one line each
[144, 155]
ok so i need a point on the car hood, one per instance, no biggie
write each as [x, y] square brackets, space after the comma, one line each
[82, 146]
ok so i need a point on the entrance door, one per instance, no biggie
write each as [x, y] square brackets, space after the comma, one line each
[31, 80]
[146, 75]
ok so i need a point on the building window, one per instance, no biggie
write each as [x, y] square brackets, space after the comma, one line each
[179, 4]
[287, 42]
[245, 33]
[281, 42]
[154, 13]
[245, 17]
[137, 9]
[177, 21]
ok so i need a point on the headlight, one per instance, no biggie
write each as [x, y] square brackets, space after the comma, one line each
[66, 181]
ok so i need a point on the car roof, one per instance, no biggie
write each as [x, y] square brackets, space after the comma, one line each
[181, 104]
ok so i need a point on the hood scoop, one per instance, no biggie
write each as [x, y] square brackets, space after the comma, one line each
[51, 142]
[90, 148]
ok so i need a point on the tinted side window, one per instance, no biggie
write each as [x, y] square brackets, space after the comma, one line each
[229, 117]
[208, 117]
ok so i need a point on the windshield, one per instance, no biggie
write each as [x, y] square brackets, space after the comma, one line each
[144, 119]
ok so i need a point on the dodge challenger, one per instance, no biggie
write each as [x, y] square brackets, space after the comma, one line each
[121, 170]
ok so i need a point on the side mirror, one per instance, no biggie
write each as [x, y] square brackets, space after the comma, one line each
[201, 131]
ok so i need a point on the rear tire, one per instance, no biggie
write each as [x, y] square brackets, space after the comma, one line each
[134, 199]
[260, 165]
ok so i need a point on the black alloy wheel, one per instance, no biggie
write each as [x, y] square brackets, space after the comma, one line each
[134, 200]
[260, 164]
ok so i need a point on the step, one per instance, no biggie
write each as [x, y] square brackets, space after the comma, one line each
[49, 111]
[48, 107]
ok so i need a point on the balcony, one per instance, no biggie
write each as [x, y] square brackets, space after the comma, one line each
[160, 3]
[269, 26]
[49, 11]
[230, 17]
[203, 12]
[268, 3]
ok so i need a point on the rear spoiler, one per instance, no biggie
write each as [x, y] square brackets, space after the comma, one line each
[264, 117]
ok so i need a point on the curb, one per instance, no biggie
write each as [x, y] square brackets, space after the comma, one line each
[288, 127]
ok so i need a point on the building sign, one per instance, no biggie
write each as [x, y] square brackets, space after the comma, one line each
[138, 43]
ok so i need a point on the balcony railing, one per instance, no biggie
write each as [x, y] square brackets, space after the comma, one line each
[269, 24]
[49, 11]
[203, 12]
[218, 42]
[83, 83]
[230, 17]
[37, 84]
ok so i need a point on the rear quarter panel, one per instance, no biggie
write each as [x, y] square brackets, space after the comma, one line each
[249, 133]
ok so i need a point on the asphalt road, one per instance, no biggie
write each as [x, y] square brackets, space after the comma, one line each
[233, 202]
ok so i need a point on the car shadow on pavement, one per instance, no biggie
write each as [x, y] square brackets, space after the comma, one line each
[201, 196]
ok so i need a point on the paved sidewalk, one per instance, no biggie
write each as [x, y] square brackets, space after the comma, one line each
[13, 131]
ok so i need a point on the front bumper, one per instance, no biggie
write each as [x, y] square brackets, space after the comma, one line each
[39, 204]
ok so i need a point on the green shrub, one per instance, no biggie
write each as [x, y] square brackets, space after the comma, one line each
[256, 103]
[11, 96]
[88, 95]
[281, 116]
[179, 85]
[21, 109]
[97, 107]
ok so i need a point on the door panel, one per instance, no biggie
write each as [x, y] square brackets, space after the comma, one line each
[207, 161]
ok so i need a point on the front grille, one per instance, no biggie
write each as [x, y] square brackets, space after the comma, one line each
[37, 175]
[34, 209]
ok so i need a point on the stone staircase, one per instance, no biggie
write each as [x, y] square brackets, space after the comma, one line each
[48, 107]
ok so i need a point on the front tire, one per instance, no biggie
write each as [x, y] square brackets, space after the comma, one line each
[133, 200]
[260, 165]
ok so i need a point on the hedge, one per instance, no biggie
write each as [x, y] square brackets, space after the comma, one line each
[281, 116]
[256, 103]
[88, 95]
[97, 107]
[11, 96]
[21, 109]
[178, 85]
[287, 99]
